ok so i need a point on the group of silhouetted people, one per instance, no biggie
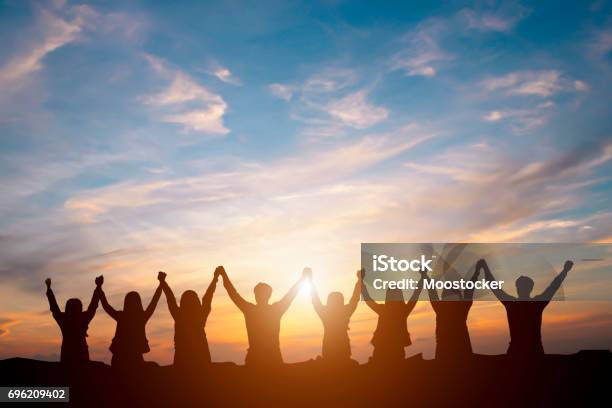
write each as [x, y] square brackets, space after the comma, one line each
[263, 320]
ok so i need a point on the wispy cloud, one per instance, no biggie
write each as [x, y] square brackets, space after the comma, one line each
[331, 102]
[500, 19]
[284, 92]
[516, 199]
[523, 120]
[422, 55]
[601, 44]
[223, 74]
[538, 83]
[5, 324]
[313, 168]
[354, 110]
[54, 32]
[207, 118]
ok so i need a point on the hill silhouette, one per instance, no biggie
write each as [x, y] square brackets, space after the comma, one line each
[579, 379]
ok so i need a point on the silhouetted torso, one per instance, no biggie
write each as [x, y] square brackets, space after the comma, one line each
[391, 334]
[525, 323]
[130, 340]
[74, 332]
[452, 336]
[263, 330]
[190, 343]
[336, 343]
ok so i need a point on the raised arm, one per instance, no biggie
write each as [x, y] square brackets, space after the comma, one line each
[431, 291]
[161, 276]
[232, 292]
[210, 291]
[93, 304]
[376, 308]
[415, 294]
[170, 298]
[285, 302]
[55, 310]
[468, 294]
[105, 305]
[499, 293]
[316, 301]
[354, 300]
[550, 291]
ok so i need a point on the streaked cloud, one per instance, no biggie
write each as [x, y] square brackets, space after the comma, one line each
[538, 83]
[522, 120]
[206, 118]
[422, 55]
[225, 75]
[354, 110]
[279, 178]
[5, 324]
[53, 32]
[501, 19]
[331, 102]
[600, 44]
[284, 92]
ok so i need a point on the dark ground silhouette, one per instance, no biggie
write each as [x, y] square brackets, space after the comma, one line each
[580, 379]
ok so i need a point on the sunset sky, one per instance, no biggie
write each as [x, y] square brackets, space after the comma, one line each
[268, 136]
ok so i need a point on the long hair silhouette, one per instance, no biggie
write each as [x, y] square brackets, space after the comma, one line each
[190, 342]
[451, 307]
[391, 335]
[130, 340]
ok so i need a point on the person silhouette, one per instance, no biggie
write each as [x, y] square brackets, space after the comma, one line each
[452, 335]
[262, 320]
[335, 316]
[391, 335]
[73, 323]
[130, 340]
[190, 344]
[525, 312]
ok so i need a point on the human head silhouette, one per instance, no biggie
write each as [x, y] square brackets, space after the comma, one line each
[190, 301]
[132, 303]
[263, 292]
[73, 307]
[335, 300]
[394, 296]
[524, 286]
[451, 294]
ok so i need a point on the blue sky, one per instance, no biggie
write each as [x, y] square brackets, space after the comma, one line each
[136, 136]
